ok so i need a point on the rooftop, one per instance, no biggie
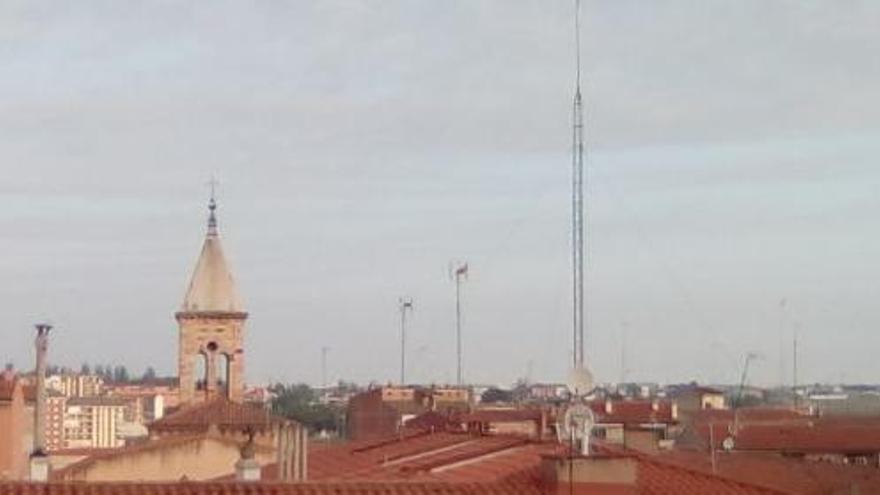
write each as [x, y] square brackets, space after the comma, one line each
[219, 412]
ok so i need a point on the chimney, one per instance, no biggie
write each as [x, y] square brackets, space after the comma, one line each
[292, 452]
[39, 465]
[597, 473]
[247, 468]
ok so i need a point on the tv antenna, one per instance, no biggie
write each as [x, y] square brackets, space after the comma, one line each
[458, 270]
[577, 202]
[404, 304]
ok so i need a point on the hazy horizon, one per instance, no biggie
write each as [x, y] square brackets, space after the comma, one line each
[360, 146]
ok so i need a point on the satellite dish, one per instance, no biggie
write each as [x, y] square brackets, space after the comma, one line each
[578, 421]
[577, 426]
[580, 382]
[728, 444]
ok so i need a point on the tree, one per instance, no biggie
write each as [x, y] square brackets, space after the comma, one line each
[494, 395]
[299, 402]
[120, 374]
[149, 374]
[85, 369]
[99, 370]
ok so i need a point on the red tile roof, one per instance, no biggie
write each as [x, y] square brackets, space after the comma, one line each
[439, 464]
[220, 488]
[634, 412]
[430, 421]
[795, 434]
[501, 415]
[222, 413]
[750, 414]
[660, 478]
[461, 458]
[784, 473]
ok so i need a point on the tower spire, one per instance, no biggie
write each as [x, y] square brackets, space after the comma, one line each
[212, 207]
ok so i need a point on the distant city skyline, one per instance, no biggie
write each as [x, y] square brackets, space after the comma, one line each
[361, 147]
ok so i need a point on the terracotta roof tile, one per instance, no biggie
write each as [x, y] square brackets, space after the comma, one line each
[501, 415]
[634, 412]
[220, 488]
[784, 473]
[221, 412]
[792, 434]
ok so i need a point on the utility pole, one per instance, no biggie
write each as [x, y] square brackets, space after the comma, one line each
[623, 331]
[460, 273]
[794, 360]
[782, 313]
[404, 304]
[324, 351]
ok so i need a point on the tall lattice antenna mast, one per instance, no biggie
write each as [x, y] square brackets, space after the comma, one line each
[577, 203]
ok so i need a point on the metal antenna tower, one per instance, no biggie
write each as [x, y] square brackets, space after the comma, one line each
[404, 304]
[460, 271]
[577, 203]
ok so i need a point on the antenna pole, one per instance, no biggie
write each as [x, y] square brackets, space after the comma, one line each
[712, 445]
[405, 303]
[782, 313]
[795, 368]
[458, 327]
[324, 351]
[623, 352]
[460, 272]
[577, 200]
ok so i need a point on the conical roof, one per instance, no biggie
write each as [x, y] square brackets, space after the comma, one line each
[212, 288]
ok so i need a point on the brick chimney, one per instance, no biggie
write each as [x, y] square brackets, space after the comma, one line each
[583, 475]
[39, 463]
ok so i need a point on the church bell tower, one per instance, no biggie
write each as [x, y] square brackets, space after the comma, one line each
[211, 323]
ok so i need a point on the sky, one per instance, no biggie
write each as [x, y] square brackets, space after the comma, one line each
[361, 146]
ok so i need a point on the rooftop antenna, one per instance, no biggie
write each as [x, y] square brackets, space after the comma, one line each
[458, 270]
[623, 331]
[782, 319]
[577, 202]
[324, 351]
[578, 420]
[404, 304]
[794, 365]
[580, 380]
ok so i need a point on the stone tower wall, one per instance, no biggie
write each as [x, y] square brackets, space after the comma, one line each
[215, 336]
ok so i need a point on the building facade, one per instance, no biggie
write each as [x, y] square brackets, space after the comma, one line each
[94, 422]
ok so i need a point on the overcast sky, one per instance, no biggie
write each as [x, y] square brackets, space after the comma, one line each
[362, 145]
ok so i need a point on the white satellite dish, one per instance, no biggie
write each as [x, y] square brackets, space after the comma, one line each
[728, 444]
[580, 382]
[577, 425]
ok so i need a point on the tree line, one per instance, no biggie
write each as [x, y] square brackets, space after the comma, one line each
[108, 372]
